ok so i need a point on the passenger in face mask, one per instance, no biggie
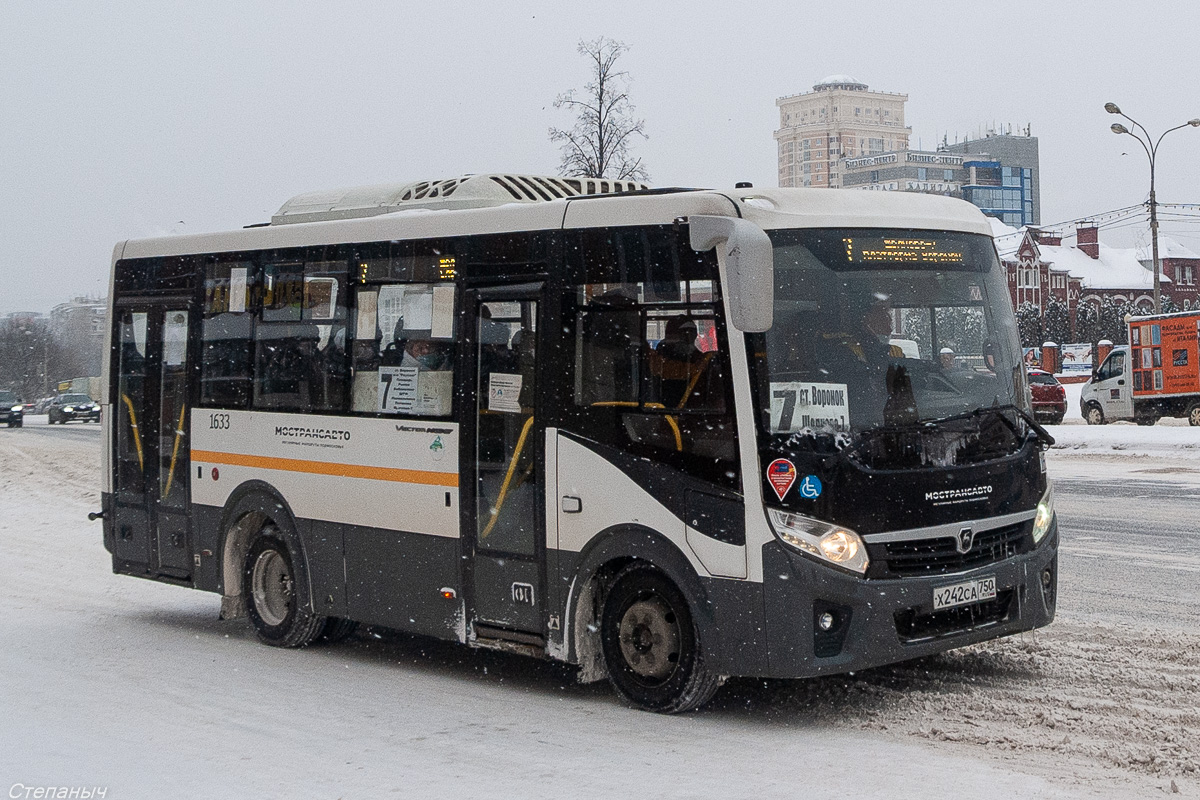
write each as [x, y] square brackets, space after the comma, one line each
[426, 355]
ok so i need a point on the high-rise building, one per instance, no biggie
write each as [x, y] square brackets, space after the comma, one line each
[1004, 180]
[839, 118]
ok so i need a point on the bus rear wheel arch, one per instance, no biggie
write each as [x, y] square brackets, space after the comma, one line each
[273, 590]
[650, 643]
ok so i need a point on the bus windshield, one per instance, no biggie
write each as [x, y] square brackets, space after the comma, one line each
[879, 329]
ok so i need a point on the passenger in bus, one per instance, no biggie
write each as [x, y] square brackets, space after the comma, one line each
[426, 355]
[678, 364]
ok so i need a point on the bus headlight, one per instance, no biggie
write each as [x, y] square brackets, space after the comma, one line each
[1044, 515]
[832, 543]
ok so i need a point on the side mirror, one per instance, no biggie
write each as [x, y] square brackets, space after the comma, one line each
[749, 267]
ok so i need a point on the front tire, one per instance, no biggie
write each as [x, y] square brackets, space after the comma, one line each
[650, 643]
[1094, 416]
[1194, 415]
[270, 582]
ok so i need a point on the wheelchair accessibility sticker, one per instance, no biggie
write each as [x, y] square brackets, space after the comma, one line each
[781, 474]
[810, 487]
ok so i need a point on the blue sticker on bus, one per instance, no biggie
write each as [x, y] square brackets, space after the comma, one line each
[810, 487]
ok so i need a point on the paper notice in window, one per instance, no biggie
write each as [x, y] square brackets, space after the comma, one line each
[320, 297]
[800, 405]
[237, 289]
[443, 312]
[368, 303]
[418, 310]
[504, 393]
[175, 338]
[408, 390]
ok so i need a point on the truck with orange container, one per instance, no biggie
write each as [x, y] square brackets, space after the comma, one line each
[1156, 375]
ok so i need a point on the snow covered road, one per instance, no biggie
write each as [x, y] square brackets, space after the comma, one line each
[111, 681]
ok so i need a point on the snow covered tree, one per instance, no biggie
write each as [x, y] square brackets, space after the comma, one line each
[1087, 323]
[31, 360]
[598, 145]
[1112, 320]
[1029, 324]
[1167, 304]
[1057, 322]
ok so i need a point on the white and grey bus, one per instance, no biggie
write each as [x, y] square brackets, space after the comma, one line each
[666, 435]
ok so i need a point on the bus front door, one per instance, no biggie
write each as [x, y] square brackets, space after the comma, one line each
[505, 506]
[151, 443]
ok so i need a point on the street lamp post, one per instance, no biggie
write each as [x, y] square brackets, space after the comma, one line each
[1150, 145]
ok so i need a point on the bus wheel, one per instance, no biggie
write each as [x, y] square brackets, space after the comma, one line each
[1194, 415]
[269, 578]
[650, 643]
[1095, 416]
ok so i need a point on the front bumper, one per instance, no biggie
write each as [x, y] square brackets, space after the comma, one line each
[1049, 410]
[10, 417]
[884, 621]
[91, 415]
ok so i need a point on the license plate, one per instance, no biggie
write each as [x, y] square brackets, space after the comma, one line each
[960, 594]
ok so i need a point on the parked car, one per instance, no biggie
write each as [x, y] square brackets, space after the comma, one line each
[1049, 397]
[67, 407]
[12, 410]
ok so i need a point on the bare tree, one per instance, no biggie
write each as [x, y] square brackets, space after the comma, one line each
[598, 144]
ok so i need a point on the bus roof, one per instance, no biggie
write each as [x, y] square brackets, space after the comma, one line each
[485, 204]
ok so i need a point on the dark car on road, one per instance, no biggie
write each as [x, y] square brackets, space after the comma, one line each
[11, 409]
[1049, 397]
[67, 407]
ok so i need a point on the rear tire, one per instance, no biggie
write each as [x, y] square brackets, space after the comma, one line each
[269, 580]
[651, 645]
[1095, 415]
[1193, 415]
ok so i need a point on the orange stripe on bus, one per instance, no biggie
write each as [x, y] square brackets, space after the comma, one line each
[325, 468]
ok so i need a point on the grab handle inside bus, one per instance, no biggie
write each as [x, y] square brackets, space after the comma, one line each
[749, 267]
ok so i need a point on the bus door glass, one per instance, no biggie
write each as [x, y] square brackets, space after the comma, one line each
[132, 523]
[151, 441]
[173, 446]
[509, 473]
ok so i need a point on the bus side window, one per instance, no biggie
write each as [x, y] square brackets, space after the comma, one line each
[404, 337]
[649, 364]
[226, 372]
[301, 361]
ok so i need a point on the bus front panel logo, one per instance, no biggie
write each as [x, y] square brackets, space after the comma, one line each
[966, 538]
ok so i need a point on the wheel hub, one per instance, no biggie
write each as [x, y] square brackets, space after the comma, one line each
[650, 638]
[272, 587]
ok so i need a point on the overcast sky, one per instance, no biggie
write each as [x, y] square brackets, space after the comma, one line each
[123, 119]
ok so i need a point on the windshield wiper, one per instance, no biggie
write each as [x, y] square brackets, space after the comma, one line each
[1042, 434]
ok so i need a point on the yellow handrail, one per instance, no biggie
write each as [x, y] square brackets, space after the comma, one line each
[175, 450]
[708, 357]
[137, 436]
[634, 404]
[512, 465]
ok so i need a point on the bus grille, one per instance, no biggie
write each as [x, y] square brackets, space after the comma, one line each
[940, 556]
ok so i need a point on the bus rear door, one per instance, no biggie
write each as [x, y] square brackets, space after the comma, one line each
[151, 443]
